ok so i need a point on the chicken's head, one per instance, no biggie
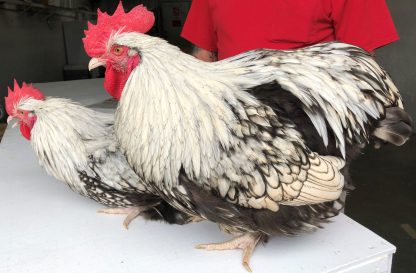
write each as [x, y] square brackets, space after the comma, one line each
[101, 44]
[15, 101]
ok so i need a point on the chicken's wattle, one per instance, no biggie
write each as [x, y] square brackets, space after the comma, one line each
[26, 129]
[115, 80]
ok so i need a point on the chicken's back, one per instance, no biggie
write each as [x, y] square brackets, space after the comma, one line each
[77, 145]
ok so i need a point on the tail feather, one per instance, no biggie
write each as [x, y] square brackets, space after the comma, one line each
[396, 127]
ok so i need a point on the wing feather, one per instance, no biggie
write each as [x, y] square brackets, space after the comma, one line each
[270, 166]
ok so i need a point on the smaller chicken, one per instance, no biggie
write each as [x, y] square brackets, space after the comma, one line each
[77, 145]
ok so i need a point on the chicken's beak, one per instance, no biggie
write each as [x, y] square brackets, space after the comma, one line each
[9, 120]
[95, 62]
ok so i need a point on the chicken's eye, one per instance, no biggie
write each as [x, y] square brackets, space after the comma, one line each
[117, 50]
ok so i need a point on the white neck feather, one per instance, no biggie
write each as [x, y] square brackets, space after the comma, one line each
[171, 117]
[60, 133]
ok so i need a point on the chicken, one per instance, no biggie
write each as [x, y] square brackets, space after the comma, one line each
[77, 145]
[257, 143]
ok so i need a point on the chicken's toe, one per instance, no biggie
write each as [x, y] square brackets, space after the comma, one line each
[247, 242]
[132, 213]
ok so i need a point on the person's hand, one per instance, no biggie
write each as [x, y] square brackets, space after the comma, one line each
[204, 55]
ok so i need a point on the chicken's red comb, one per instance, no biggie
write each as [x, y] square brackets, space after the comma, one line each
[26, 91]
[139, 19]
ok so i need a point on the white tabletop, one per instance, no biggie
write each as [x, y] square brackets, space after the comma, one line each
[86, 92]
[45, 227]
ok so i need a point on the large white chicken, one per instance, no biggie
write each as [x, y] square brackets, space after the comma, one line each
[256, 143]
[77, 145]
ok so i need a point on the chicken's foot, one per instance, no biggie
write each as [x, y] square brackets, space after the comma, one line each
[247, 242]
[132, 213]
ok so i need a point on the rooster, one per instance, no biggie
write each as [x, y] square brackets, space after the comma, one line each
[259, 143]
[77, 145]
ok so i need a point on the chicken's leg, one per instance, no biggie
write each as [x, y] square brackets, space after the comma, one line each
[132, 213]
[247, 242]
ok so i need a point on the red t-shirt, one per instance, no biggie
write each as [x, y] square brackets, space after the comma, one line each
[234, 26]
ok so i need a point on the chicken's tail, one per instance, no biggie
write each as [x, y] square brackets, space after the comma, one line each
[395, 128]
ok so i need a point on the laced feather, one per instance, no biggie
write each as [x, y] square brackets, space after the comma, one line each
[179, 108]
[65, 134]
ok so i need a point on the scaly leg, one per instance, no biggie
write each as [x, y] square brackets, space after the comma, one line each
[247, 242]
[132, 213]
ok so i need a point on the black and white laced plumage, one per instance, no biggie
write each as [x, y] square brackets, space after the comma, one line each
[258, 142]
[77, 145]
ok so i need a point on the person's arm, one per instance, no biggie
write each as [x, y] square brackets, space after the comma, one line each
[367, 24]
[200, 31]
[204, 55]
